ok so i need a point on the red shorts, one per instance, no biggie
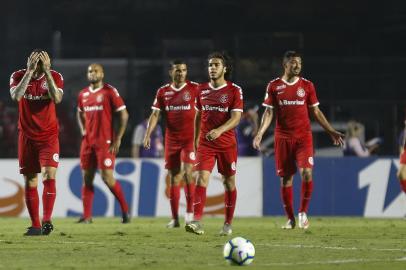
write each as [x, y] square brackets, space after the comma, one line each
[403, 157]
[96, 156]
[289, 152]
[226, 160]
[175, 155]
[33, 155]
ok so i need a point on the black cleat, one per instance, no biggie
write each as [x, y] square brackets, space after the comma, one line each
[126, 218]
[47, 228]
[32, 231]
[83, 220]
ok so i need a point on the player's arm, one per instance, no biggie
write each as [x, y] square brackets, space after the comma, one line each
[54, 92]
[122, 125]
[152, 122]
[335, 135]
[196, 132]
[80, 117]
[266, 120]
[230, 124]
[18, 91]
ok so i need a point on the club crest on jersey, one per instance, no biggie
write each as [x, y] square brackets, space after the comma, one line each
[233, 167]
[55, 157]
[300, 92]
[99, 98]
[192, 156]
[224, 98]
[186, 96]
[108, 162]
[44, 85]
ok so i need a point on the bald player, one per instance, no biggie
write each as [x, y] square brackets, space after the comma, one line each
[97, 105]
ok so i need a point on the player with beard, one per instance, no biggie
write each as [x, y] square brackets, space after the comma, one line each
[97, 105]
[290, 99]
[37, 89]
[220, 105]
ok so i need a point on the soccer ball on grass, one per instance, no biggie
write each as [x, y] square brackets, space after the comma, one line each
[239, 251]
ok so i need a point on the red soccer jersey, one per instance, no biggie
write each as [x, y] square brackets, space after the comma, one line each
[216, 105]
[37, 116]
[290, 102]
[179, 107]
[98, 106]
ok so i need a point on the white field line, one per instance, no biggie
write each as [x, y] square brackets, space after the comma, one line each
[56, 242]
[331, 247]
[344, 261]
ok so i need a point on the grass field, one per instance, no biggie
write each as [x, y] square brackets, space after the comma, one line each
[330, 243]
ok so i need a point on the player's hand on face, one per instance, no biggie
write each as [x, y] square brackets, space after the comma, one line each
[45, 60]
[115, 146]
[32, 61]
[213, 134]
[338, 138]
[147, 142]
[256, 143]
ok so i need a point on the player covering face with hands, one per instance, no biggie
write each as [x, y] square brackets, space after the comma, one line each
[290, 99]
[37, 89]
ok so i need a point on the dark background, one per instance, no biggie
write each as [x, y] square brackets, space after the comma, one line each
[354, 52]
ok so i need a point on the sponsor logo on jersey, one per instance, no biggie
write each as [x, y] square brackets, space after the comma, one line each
[31, 97]
[86, 94]
[169, 93]
[186, 96]
[291, 102]
[223, 98]
[44, 85]
[214, 108]
[99, 98]
[177, 108]
[204, 92]
[93, 108]
[282, 86]
[301, 92]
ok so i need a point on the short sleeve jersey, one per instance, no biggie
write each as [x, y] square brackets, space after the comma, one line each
[37, 115]
[179, 108]
[216, 105]
[290, 103]
[99, 105]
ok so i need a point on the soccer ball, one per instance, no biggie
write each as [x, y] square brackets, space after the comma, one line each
[239, 251]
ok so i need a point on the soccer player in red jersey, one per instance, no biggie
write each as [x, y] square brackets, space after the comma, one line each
[220, 105]
[290, 99]
[37, 89]
[97, 105]
[177, 100]
[402, 169]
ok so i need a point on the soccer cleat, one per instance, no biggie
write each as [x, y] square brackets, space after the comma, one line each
[188, 218]
[47, 227]
[291, 224]
[303, 221]
[32, 231]
[83, 220]
[194, 227]
[126, 218]
[226, 230]
[174, 223]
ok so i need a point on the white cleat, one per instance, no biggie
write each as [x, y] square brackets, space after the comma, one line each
[226, 230]
[290, 224]
[303, 221]
[174, 223]
[188, 218]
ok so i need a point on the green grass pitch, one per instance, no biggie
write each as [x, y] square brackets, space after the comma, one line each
[330, 243]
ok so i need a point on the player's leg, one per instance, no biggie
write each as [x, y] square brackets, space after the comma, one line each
[188, 159]
[87, 195]
[304, 157]
[175, 177]
[402, 171]
[286, 168]
[115, 188]
[48, 197]
[32, 203]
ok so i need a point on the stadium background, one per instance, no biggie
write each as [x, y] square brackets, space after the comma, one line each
[353, 51]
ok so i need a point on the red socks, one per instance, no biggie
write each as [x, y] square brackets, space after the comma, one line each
[189, 194]
[174, 201]
[287, 199]
[230, 198]
[48, 198]
[403, 185]
[199, 202]
[118, 193]
[32, 202]
[305, 195]
[87, 200]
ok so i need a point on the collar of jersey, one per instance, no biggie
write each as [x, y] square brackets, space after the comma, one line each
[94, 90]
[178, 89]
[292, 83]
[218, 88]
